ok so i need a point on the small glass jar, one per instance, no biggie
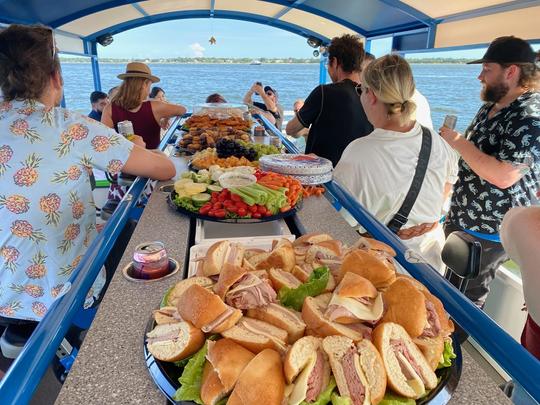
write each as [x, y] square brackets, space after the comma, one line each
[259, 131]
[150, 261]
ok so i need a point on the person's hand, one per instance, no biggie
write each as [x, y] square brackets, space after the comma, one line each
[164, 123]
[257, 88]
[449, 135]
[138, 140]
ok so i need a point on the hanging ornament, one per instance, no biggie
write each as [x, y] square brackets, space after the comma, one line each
[212, 40]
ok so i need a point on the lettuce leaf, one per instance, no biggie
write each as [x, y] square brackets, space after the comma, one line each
[222, 401]
[182, 363]
[393, 399]
[325, 396]
[165, 299]
[337, 400]
[191, 378]
[294, 297]
[448, 355]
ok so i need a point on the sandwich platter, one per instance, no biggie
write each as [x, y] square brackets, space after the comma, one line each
[301, 322]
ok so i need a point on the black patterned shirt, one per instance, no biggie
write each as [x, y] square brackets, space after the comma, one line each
[512, 135]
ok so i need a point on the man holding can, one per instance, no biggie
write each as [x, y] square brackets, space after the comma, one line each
[500, 153]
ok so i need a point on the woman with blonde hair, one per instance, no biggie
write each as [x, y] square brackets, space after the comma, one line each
[379, 169]
[130, 103]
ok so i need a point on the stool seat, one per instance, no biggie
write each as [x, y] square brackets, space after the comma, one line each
[108, 209]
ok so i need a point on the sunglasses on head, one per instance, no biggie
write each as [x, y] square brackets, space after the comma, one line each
[54, 50]
[269, 93]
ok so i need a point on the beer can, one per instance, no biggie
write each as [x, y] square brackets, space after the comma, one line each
[450, 121]
[125, 128]
[150, 260]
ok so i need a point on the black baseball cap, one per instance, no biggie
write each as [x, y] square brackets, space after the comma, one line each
[266, 88]
[508, 50]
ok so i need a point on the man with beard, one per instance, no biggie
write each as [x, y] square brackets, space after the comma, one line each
[500, 153]
[333, 112]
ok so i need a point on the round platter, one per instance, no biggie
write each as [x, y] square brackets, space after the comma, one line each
[165, 376]
[292, 164]
[183, 211]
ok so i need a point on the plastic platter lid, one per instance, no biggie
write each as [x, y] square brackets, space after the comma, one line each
[296, 164]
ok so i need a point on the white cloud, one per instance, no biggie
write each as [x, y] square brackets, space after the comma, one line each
[197, 49]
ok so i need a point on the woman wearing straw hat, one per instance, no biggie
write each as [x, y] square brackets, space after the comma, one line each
[130, 103]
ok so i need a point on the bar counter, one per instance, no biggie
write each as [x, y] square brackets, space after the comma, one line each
[110, 367]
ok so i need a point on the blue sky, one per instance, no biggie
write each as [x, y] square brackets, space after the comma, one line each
[189, 38]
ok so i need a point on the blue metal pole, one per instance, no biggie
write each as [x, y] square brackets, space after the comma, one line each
[368, 45]
[24, 375]
[95, 66]
[322, 69]
[509, 354]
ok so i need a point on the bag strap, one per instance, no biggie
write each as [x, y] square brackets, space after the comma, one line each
[402, 215]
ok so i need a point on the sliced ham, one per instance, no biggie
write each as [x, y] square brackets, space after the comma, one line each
[434, 327]
[357, 391]
[365, 330]
[250, 292]
[398, 346]
[218, 321]
[315, 381]
[173, 335]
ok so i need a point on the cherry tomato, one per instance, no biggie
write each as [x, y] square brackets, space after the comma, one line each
[257, 215]
[228, 203]
[253, 208]
[242, 212]
[211, 213]
[215, 194]
[233, 208]
[217, 206]
[236, 197]
[220, 213]
[241, 204]
[261, 209]
[222, 198]
[205, 209]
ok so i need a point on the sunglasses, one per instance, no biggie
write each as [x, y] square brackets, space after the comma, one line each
[269, 93]
[54, 49]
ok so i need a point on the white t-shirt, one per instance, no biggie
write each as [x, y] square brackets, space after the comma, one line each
[378, 170]
[423, 112]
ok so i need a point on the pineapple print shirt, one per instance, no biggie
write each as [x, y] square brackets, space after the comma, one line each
[47, 212]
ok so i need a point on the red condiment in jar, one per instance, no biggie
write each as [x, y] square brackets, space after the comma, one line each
[150, 261]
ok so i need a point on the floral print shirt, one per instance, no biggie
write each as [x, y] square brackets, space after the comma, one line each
[47, 211]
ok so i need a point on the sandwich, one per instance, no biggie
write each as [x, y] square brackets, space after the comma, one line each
[407, 371]
[256, 335]
[374, 246]
[242, 289]
[282, 279]
[409, 304]
[379, 271]
[166, 315]
[206, 311]
[174, 341]
[281, 257]
[328, 253]
[306, 370]
[220, 253]
[261, 382]
[318, 325]
[355, 300]
[302, 244]
[179, 288]
[284, 318]
[358, 369]
[225, 362]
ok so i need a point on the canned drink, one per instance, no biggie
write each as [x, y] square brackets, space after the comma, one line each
[276, 141]
[150, 260]
[450, 121]
[125, 128]
[259, 131]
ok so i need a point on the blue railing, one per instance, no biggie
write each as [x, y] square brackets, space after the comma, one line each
[24, 375]
[510, 355]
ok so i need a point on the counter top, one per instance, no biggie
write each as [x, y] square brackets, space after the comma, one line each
[110, 367]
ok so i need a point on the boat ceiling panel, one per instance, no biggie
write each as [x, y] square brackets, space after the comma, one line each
[91, 23]
[368, 15]
[263, 8]
[323, 26]
[440, 8]
[69, 43]
[521, 23]
[153, 7]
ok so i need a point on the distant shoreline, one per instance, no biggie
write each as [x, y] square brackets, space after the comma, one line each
[436, 61]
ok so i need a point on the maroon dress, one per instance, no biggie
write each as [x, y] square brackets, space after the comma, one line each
[144, 123]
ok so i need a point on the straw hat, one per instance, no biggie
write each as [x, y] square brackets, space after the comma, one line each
[138, 69]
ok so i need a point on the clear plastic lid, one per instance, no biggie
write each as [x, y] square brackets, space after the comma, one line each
[221, 110]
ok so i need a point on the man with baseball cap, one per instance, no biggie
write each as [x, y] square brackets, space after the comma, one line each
[500, 153]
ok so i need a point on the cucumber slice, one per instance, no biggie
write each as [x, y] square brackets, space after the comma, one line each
[215, 187]
[201, 198]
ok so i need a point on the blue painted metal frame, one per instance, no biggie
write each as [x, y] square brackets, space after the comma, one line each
[509, 354]
[95, 66]
[24, 375]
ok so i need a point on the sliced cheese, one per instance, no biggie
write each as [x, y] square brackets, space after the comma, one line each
[363, 380]
[416, 383]
[299, 391]
[361, 311]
